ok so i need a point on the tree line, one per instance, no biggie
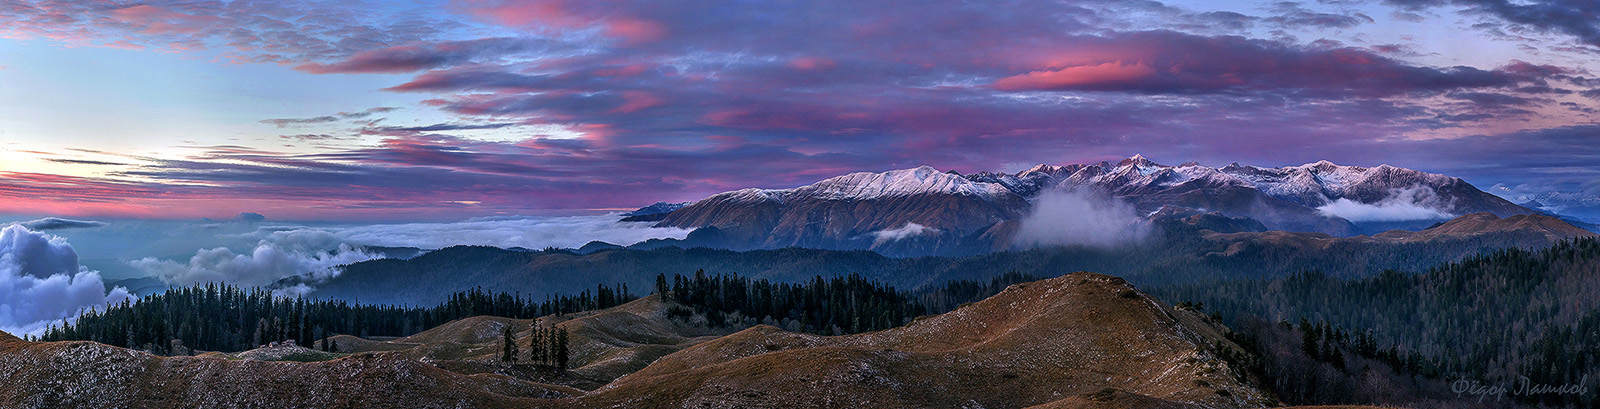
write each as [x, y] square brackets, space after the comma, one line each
[1495, 318]
[221, 317]
[848, 304]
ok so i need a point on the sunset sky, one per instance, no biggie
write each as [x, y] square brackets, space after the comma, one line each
[446, 110]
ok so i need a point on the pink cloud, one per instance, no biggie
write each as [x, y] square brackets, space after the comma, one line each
[562, 15]
[272, 32]
[158, 20]
[635, 30]
[1110, 74]
[812, 63]
[637, 100]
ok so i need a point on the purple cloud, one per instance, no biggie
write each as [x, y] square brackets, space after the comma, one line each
[675, 99]
[1577, 18]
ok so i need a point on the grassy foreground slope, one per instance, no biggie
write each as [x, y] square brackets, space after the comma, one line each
[1082, 340]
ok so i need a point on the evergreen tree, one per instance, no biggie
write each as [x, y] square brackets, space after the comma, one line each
[561, 349]
[536, 345]
[661, 286]
[509, 346]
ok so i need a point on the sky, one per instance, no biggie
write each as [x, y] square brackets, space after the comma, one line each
[430, 111]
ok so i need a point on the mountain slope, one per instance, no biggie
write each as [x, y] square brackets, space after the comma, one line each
[1525, 231]
[1551, 228]
[1498, 316]
[1032, 344]
[92, 375]
[606, 344]
[1082, 340]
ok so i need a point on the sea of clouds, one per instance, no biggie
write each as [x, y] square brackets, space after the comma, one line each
[315, 253]
[43, 281]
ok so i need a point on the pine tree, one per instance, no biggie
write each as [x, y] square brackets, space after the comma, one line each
[561, 349]
[509, 347]
[535, 346]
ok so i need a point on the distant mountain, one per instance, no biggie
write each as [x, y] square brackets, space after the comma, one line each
[1316, 197]
[1553, 229]
[1188, 247]
[1485, 229]
[403, 253]
[1541, 208]
[652, 212]
[923, 211]
[901, 212]
[594, 246]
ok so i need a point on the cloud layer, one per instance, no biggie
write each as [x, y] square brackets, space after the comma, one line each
[1080, 218]
[315, 253]
[1415, 203]
[268, 262]
[41, 283]
[526, 232]
[901, 233]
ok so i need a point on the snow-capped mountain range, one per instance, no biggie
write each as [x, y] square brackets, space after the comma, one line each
[1313, 184]
[926, 211]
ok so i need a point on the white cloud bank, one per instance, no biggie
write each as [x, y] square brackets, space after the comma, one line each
[268, 262]
[315, 254]
[525, 232]
[903, 232]
[1414, 203]
[1078, 218]
[42, 284]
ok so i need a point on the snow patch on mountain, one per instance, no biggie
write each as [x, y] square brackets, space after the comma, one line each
[897, 183]
[750, 196]
[1312, 184]
[658, 208]
[923, 180]
[1408, 204]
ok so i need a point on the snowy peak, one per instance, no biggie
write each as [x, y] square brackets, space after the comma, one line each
[1137, 160]
[658, 208]
[751, 195]
[897, 183]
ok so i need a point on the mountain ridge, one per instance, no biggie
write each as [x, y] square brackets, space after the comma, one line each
[922, 211]
[1184, 246]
